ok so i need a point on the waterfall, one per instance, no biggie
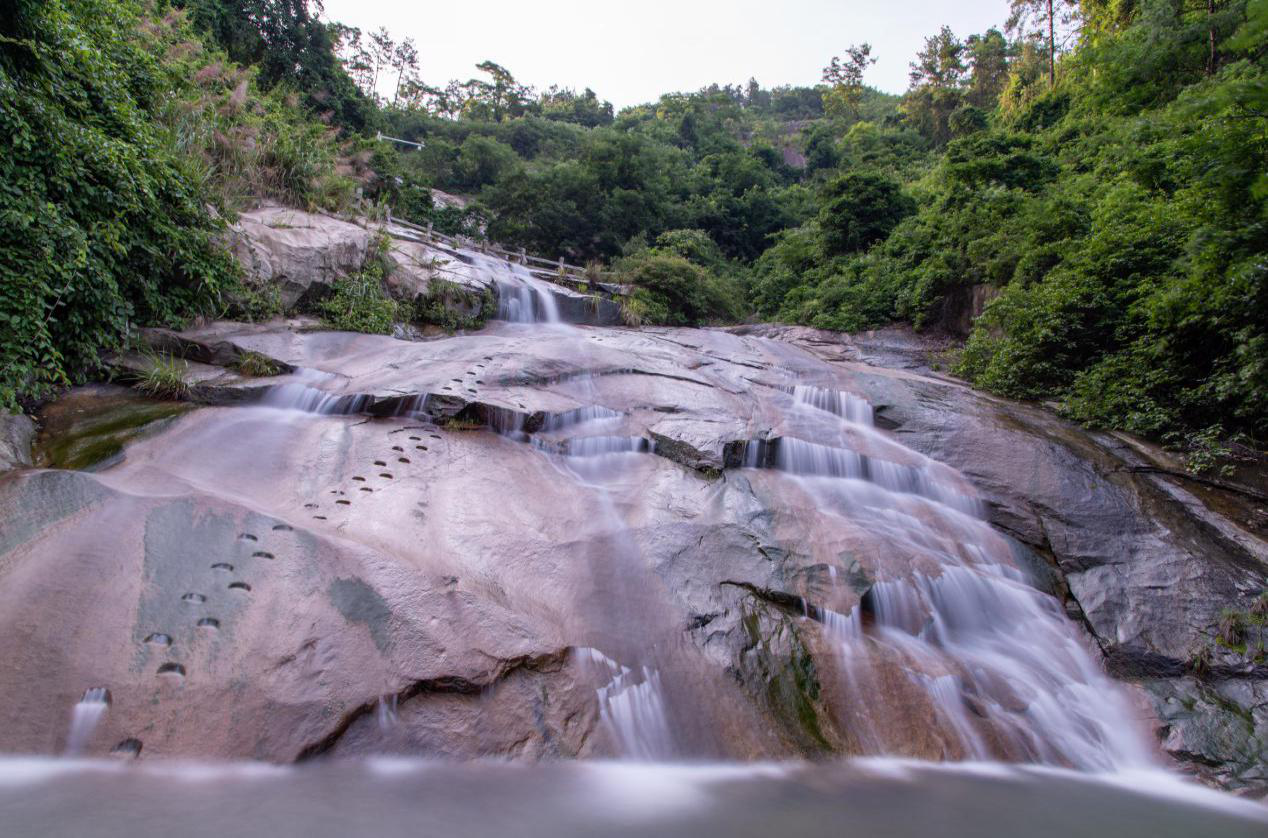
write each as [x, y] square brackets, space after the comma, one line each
[952, 633]
[632, 707]
[302, 394]
[522, 297]
[85, 716]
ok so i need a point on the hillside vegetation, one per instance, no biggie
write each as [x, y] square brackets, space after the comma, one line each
[1105, 189]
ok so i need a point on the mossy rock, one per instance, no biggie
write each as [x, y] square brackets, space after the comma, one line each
[88, 428]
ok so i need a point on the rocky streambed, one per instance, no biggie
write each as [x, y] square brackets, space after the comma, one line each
[542, 540]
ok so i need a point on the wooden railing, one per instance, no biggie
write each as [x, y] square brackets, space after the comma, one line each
[572, 276]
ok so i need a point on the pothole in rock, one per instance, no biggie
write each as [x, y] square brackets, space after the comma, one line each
[239, 586]
[127, 748]
[209, 623]
[159, 639]
[261, 554]
[193, 598]
[173, 669]
[225, 566]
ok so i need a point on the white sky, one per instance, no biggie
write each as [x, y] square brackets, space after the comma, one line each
[632, 52]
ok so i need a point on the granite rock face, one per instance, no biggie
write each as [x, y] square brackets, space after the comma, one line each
[498, 543]
[301, 254]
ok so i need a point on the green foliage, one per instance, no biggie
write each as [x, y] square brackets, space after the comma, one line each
[859, 209]
[452, 307]
[291, 49]
[163, 378]
[671, 290]
[255, 365]
[104, 228]
[358, 302]
[1122, 217]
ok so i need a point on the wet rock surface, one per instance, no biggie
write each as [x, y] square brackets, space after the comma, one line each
[418, 583]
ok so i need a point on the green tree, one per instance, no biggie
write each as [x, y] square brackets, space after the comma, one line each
[936, 77]
[845, 80]
[860, 209]
[1042, 20]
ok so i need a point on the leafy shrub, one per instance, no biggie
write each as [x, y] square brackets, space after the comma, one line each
[670, 290]
[358, 302]
[452, 307]
[103, 226]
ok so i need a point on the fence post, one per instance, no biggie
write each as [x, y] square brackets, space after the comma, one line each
[429, 229]
[523, 256]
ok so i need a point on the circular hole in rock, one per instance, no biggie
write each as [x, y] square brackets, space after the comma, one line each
[366, 489]
[386, 474]
[415, 438]
[282, 528]
[246, 536]
[239, 586]
[209, 623]
[127, 748]
[402, 459]
[358, 477]
[193, 598]
[344, 502]
[261, 554]
[310, 506]
[397, 448]
[159, 639]
[434, 436]
[379, 463]
[222, 566]
[421, 447]
[172, 669]
[319, 517]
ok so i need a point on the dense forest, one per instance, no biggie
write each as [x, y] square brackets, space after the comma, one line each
[1095, 172]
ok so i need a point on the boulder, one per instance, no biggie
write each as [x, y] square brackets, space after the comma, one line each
[299, 253]
[16, 434]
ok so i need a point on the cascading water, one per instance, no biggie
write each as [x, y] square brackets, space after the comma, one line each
[632, 702]
[952, 634]
[302, 394]
[86, 715]
[522, 297]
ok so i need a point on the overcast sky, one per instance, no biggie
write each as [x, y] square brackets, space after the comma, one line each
[632, 52]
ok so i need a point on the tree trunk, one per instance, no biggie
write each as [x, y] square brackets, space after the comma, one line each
[1210, 32]
[1052, 48]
